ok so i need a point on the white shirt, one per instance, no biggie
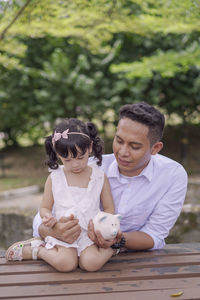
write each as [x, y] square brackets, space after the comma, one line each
[150, 202]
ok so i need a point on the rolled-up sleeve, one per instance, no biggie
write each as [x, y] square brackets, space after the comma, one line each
[167, 209]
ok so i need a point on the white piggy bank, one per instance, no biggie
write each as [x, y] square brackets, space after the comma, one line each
[107, 224]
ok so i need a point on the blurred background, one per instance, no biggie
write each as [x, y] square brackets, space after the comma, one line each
[86, 59]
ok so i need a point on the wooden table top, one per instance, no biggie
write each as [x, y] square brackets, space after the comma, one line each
[170, 273]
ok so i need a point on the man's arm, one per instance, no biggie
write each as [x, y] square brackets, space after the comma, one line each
[163, 218]
[134, 240]
[167, 210]
[66, 229]
[138, 240]
[153, 233]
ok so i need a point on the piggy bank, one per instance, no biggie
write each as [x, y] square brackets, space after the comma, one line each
[107, 224]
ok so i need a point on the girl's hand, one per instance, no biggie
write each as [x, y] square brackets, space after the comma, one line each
[97, 238]
[49, 220]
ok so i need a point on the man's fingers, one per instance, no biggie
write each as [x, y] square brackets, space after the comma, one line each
[66, 219]
[97, 238]
[65, 223]
[91, 232]
[72, 234]
[104, 243]
[74, 229]
[72, 225]
[118, 237]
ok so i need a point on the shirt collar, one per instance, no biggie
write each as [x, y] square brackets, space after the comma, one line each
[147, 172]
[113, 170]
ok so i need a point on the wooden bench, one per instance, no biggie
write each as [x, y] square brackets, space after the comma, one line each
[149, 275]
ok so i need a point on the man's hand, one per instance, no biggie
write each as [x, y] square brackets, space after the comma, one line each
[97, 238]
[66, 229]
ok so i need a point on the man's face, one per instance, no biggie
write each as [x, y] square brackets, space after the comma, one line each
[131, 147]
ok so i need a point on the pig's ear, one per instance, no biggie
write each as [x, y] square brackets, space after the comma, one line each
[102, 219]
[119, 217]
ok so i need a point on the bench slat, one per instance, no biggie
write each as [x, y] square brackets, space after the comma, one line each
[130, 262]
[188, 293]
[114, 275]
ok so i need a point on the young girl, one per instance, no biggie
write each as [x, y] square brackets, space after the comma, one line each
[73, 188]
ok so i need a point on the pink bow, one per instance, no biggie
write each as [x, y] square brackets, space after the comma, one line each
[58, 135]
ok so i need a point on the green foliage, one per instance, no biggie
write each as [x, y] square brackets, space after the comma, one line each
[87, 58]
[59, 80]
[167, 63]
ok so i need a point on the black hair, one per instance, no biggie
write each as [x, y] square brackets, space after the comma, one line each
[148, 115]
[64, 146]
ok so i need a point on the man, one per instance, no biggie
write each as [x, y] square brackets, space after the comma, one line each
[148, 189]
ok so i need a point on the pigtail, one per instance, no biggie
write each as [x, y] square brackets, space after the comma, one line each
[52, 160]
[97, 144]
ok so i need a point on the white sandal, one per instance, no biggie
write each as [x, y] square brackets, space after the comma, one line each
[14, 252]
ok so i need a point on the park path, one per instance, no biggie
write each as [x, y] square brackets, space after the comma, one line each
[25, 199]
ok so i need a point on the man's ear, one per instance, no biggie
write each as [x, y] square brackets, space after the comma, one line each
[157, 147]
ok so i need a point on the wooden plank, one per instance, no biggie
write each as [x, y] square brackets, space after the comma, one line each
[130, 262]
[138, 275]
[22, 268]
[164, 294]
[98, 287]
[114, 275]
[181, 248]
[155, 261]
[169, 250]
[172, 249]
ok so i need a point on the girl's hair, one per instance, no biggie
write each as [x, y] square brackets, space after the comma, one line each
[73, 142]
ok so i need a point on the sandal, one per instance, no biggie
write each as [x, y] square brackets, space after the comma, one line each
[14, 252]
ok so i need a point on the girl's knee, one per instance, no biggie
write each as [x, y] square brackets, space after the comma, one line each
[65, 265]
[66, 260]
[89, 263]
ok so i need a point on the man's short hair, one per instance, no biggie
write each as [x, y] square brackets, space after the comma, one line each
[148, 115]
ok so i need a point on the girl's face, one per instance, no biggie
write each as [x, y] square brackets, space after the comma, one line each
[76, 164]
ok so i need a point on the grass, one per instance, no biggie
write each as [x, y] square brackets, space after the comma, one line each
[26, 167]
[7, 183]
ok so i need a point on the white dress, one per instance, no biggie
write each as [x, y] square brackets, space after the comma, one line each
[83, 203]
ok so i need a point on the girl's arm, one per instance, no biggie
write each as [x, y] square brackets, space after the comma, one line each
[47, 205]
[106, 197]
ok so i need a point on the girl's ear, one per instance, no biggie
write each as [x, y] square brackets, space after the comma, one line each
[59, 158]
[157, 147]
[90, 149]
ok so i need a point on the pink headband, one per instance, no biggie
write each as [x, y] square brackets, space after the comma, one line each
[64, 135]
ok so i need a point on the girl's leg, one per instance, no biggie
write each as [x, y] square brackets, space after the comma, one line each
[93, 258]
[61, 258]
